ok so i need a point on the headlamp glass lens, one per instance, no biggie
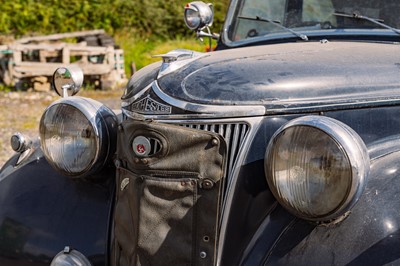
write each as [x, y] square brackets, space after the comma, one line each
[192, 18]
[309, 171]
[68, 139]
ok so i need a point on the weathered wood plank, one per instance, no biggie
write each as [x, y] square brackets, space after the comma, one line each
[31, 69]
[59, 36]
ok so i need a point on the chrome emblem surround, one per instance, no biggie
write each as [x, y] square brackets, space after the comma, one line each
[148, 105]
[141, 146]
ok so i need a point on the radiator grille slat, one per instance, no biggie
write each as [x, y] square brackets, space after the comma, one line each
[234, 135]
[235, 142]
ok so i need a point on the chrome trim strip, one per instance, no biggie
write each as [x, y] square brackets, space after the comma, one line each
[318, 107]
[200, 110]
[231, 186]
[127, 102]
[215, 110]
[228, 21]
[318, 34]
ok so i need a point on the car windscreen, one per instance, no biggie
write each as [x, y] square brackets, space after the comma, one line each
[266, 18]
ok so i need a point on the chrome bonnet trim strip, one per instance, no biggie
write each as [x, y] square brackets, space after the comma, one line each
[197, 110]
[127, 102]
[215, 110]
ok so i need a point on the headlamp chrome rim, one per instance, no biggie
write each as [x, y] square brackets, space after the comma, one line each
[103, 122]
[346, 140]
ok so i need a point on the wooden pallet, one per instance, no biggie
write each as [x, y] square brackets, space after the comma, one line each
[30, 62]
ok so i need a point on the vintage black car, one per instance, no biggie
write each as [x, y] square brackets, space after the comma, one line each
[279, 148]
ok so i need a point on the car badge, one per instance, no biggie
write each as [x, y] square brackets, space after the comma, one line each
[124, 183]
[148, 105]
[141, 146]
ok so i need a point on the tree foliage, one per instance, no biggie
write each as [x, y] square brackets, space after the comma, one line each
[161, 19]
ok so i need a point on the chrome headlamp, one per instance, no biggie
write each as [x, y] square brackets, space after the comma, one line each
[70, 257]
[316, 167]
[78, 135]
[198, 15]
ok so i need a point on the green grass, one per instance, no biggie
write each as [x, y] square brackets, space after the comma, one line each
[5, 88]
[140, 50]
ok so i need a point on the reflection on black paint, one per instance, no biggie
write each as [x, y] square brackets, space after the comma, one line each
[13, 236]
[385, 251]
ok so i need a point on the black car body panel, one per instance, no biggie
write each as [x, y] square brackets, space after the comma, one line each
[298, 74]
[369, 236]
[42, 211]
[261, 232]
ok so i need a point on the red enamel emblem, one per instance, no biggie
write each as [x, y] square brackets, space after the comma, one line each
[140, 148]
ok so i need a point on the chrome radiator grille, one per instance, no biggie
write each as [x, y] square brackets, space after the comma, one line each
[234, 135]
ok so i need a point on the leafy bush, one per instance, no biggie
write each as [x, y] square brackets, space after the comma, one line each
[159, 19]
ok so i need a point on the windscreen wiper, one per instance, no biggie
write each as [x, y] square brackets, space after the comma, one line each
[278, 24]
[375, 21]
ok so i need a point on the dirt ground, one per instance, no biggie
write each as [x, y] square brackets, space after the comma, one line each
[21, 112]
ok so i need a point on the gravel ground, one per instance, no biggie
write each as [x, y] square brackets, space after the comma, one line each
[21, 112]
